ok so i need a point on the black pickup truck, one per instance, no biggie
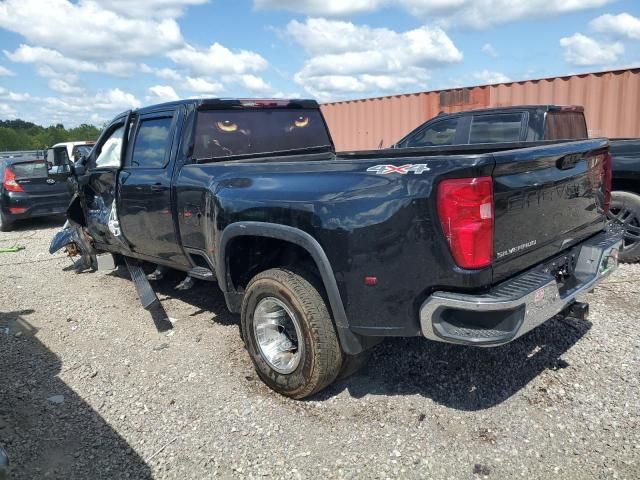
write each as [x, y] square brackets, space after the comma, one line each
[532, 123]
[323, 255]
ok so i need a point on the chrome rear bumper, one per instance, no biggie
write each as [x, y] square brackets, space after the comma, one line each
[520, 304]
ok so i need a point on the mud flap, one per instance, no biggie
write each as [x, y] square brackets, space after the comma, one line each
[4, 465]
[148, 297]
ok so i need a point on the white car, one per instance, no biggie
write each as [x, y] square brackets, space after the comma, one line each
[75, 150]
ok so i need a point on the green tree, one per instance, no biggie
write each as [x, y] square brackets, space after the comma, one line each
[21, 135]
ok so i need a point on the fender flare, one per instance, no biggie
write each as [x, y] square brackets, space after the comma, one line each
[350, 342]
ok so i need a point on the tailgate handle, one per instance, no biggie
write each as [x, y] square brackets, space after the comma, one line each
[569, 161]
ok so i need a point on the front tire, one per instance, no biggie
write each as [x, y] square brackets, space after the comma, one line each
[289, 333]
[625, 213]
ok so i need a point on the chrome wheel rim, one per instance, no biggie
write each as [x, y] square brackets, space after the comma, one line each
[626, 219]
[278, 335]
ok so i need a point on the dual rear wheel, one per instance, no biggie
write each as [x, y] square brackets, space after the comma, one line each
[289, 333]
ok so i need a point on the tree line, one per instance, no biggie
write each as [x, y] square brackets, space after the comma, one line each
[22, 135]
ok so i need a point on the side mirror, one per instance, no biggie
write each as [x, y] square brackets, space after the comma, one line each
[60, 167]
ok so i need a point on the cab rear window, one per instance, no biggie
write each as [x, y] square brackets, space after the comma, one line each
[30, 169]
[229, 133]
[496, 128]
[566, 126]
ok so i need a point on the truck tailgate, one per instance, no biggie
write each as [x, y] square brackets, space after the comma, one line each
[547, 198]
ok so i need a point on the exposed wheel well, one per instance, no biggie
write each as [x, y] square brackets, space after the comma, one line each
[626, 185]
[250, 255]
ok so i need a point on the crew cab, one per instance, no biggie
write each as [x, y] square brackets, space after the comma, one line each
[26, 190]
[526, 123]
[531, 123]
[322, 254]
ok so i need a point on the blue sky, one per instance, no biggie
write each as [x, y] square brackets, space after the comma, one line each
[83, 61]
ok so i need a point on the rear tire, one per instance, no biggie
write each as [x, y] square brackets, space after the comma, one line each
[278, 305]
[625, 212]
[5, 225]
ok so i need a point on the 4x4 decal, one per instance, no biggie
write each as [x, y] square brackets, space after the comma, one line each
[417, 168]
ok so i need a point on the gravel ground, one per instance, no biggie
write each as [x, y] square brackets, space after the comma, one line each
[89, 389]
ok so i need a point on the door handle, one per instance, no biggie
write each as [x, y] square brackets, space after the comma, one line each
[157, 188]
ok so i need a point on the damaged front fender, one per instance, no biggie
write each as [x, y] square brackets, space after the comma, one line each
[63, 238]
[72, 238]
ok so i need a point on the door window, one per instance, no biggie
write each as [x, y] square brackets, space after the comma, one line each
[152, 143]
[111, 150]
[498, 128]
[440, 133]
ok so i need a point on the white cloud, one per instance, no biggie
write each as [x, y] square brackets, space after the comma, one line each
[347, 59]
[45, 57]
[622, 25]
[475, 13]
[115, 99]
[201, 86]
[5, 72]
[485, 13]
[120, 69]
[487, 77]
[7, 111]
[581, 50]
[489, 50]
[61, 86]
[9, 96]
[88, 31]
[48, 72]
[325, 8]
[161, 93]
[86, 108]
[217, 60]
[150, 8]
[164, 73]
[256, 85]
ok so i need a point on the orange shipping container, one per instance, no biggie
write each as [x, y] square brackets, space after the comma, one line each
[611, 101]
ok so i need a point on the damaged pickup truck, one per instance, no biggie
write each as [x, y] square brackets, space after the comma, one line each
[322, 254]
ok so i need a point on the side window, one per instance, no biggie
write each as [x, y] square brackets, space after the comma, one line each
[79, 151]
[440, 133]
[111, 150]
[152, 143]
[498, 128]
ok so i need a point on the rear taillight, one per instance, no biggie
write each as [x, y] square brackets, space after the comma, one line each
[465, 208]
[607, 179]
[10, 183]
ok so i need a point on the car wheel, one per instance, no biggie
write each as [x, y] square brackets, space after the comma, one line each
[5, 225]
[625, 213]
[289, 333]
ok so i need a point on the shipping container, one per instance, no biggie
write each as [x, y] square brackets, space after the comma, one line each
[611, 101]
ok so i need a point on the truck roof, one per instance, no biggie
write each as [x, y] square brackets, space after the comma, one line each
[215, 103]
[73, 144]
[543, 107]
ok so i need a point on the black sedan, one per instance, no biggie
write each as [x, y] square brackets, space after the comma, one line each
[26, 191]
